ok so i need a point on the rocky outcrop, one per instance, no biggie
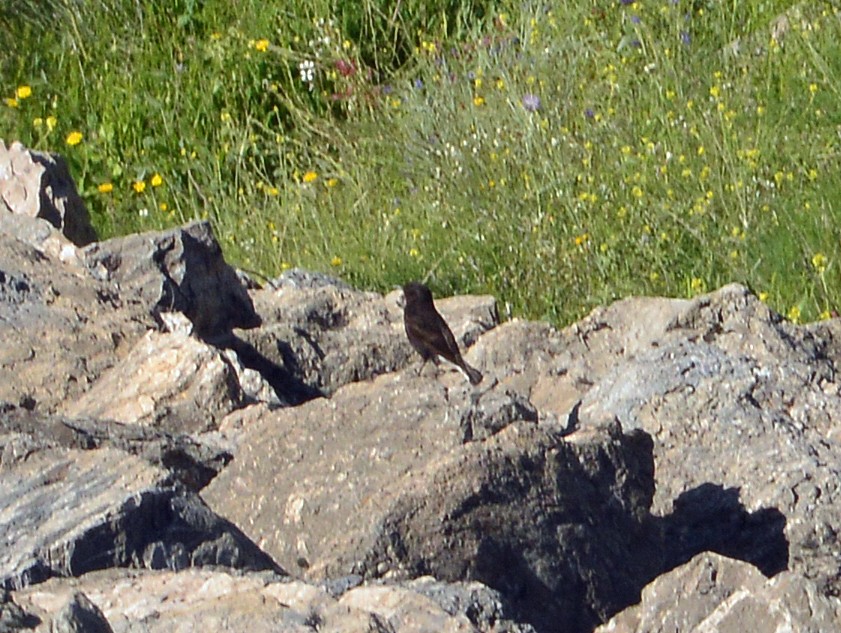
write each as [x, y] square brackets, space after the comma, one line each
[378, 481]
[168, 429]
[213, 600]
[712, 593]
[38, 185]
[68, 512]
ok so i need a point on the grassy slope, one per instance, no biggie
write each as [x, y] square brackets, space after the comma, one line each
[556, 154]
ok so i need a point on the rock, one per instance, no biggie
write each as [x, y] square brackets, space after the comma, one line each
[192, 460]
[38, 185]
[12, 617]
[378, 481]
[177, 270]
[174, 382]
[80, 615]
[67, 512]
[61, 329]
[222, 600]
[324, 335]
[714, 594]
[741, 406]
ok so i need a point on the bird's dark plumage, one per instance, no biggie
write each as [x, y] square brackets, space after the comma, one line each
[427, 331]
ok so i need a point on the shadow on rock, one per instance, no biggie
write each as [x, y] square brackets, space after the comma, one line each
[289, 389]
[710, 518]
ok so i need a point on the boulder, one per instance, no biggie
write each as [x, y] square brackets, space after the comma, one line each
[742, 408]
[325, 335]
[380, 481]
[38, 185]
[192, 460]
[61, 328]
[715, 594]
[180, 270]
[66, 512]
[221, 600]
[171, 381]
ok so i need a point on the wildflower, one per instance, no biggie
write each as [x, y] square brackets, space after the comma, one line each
[418, 84]
[478, 101]
[336, 261]
[763, 296]
[332, 182]
[307, 71]
[310, 176]
[105, 187]
[51, 123]
[697, 285]
[163, 206]
[825, 315]
[813, 88]
[157, 180]
[794, 314]
[819, 262]
[23, 92]
[74, 138]
[262, 45]
[531, 102]
[37, 122]
[685, 38]
[345, 68]
[139, 186]
[11, 102]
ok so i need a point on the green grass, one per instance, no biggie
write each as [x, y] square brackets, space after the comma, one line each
[658, 161]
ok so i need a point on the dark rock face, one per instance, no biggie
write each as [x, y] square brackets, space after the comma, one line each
[69, 512]
[181, 270]
[642, 468]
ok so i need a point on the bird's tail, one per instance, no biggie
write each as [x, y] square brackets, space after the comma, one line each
[473, 374]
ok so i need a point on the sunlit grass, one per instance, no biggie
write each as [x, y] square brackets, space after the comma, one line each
[556, 155]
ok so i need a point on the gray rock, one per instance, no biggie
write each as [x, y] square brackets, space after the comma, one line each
[193, 460]
[321, 336]
[80, 615]
[377, 481]
[12, 616]
[60, 328]
[38, 185]
[144, 601]
[714, 594]
[174, 382]
[178, 270]
[67, 512]
[741, 406]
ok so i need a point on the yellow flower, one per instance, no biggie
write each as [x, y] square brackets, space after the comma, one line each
[105, 187]
[332, 182]
[262, 45]
[478, 101]
[11, 102]
[819, 262]
[697, 285]
[163, 206]
[794, 314]
[336, 261]
[157, 180]
[310, 176]
[51, 123]
[74, 138]
[23, 92]
[813, 88]
[763, 296]
[825, 315]
[413, 252]
[139, 186]
[37, 122]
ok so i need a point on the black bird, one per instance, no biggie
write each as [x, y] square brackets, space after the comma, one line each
[428, 333]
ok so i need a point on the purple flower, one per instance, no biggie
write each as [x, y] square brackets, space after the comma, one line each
[531, 102]
[684, 37]
[635, 19]
[589, 113]
[627, 1]
[418, 83]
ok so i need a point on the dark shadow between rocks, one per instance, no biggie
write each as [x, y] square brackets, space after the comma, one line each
[710, 518]
[289, 389]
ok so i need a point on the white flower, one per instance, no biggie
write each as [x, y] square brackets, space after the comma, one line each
[307, 70]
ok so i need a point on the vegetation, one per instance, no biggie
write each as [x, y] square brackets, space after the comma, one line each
[556, 154]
